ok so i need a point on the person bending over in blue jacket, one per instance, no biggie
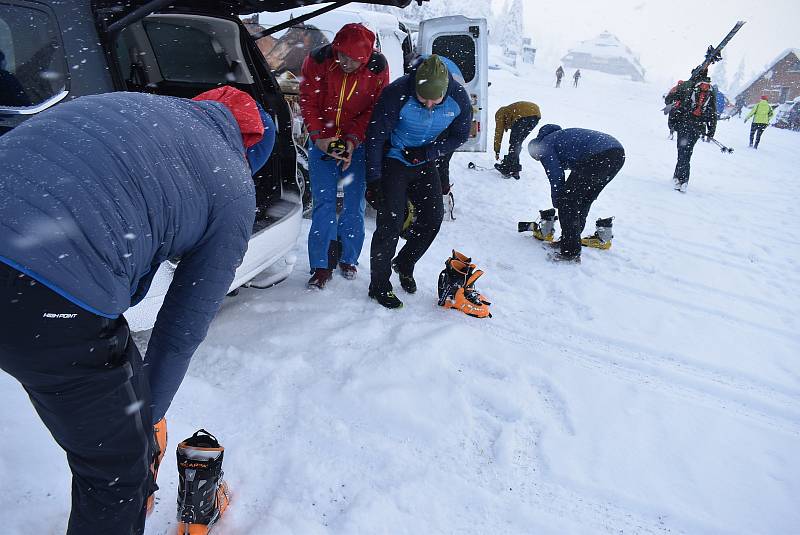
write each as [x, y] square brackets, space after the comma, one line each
[418, 119]
[93, 198]
[594, 158]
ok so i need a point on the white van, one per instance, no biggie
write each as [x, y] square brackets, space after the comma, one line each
[465, 42]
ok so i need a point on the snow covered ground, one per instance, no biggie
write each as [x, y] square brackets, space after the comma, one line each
[654, 388]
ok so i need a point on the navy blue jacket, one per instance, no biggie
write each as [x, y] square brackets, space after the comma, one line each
[399, 120]
[565, 149]
[96, 193]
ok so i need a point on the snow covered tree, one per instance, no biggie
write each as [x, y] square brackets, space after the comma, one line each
[738, 78]
[720, 76]
[509, 26]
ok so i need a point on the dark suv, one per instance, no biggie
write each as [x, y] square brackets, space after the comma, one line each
[55, 50]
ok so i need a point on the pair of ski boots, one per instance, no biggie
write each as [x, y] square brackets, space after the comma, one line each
[203, 496]
[544, 230]
[679, 185]
[457, 287]
[508, 169]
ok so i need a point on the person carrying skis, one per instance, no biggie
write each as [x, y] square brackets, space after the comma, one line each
[593, 158]
[521, 118]
[419, 118]
[340, 84]
[576, 77]
[694, 105]
[559, 75]
[94, 200]
[762, 114]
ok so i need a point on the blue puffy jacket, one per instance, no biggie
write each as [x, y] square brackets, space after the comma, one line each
[559, 149]
[96, 193]
[400, 120]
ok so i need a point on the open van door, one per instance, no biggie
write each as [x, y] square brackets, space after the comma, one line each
[465, 42]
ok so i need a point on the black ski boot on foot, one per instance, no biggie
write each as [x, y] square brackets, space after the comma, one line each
[202, 494]
[386, 298]
[407, 282]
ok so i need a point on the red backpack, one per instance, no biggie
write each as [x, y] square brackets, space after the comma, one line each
[700, 98]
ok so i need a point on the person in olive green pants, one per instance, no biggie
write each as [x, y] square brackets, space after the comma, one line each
[762, 114]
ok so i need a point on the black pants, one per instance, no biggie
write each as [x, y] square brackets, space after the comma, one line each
[521, 129]
[401, 183]
[443, 168]
[584, 184]
[756, 129]
[83, 374]
[688, 134]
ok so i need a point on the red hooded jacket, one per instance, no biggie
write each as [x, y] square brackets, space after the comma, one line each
[336, 104]
[243, 108]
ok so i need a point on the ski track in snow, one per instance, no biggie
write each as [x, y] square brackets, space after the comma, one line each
[652, 389]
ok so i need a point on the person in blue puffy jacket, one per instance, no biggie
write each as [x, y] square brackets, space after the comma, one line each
[593, 158]
[95, 194]
[419, 118]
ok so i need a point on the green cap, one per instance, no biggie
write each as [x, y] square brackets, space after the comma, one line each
[432, 78]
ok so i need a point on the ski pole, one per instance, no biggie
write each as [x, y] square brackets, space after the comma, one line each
[722, 147]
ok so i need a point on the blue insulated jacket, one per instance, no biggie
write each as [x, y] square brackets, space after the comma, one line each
[96, 193]
[399, 120]
[565, 149]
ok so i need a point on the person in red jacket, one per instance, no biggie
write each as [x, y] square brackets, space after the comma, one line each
[340, 85]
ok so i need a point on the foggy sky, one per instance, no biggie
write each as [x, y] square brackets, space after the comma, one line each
[670, 36]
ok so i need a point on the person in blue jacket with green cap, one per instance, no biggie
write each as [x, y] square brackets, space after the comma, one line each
[418, 118]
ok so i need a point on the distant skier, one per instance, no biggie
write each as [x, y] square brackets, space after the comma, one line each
[521, 118]
[559, 75]
[762, 114]
[694, 105]
[594, 159]
[576, 77]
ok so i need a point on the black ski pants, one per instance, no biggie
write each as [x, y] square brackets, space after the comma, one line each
[443, 168]
[756, 129]
[688, 134]
[83, 375]
[400, 183]
[521, 129]
[585, 182]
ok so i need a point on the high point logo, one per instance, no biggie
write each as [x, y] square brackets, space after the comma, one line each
[52, 315]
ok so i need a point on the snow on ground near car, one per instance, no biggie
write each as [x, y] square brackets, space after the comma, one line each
[654, 388]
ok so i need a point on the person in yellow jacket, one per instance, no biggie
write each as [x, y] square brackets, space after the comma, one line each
[521, 118]
[762, 114]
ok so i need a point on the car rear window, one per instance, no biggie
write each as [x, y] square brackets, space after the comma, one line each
[459, 48]
[32, 64]
[187, 54]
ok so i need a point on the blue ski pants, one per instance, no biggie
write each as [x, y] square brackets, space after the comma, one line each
[325, 176]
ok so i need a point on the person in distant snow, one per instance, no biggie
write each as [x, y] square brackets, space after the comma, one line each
[341, 83]
[694, 105]
[762, 114]
[594, 159]
[93, 200]
[520, 118]
[576, 77]
[559, 75]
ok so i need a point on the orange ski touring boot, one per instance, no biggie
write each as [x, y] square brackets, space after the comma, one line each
[202, 494]
[160, 438]
[457, 287]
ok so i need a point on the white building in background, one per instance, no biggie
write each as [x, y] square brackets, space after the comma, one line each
[605, 53]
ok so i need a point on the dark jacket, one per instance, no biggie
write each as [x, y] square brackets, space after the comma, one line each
[399, 120]
[694, 104]
[96, 193]
[564, 149]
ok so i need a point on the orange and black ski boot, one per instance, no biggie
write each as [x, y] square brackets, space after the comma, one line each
[202, 494]
[457, 287]
[160, 437]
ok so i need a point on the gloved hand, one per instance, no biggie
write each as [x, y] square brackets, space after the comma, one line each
[374, 194]
[416, 155]
[445, 188]
[496, 156]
